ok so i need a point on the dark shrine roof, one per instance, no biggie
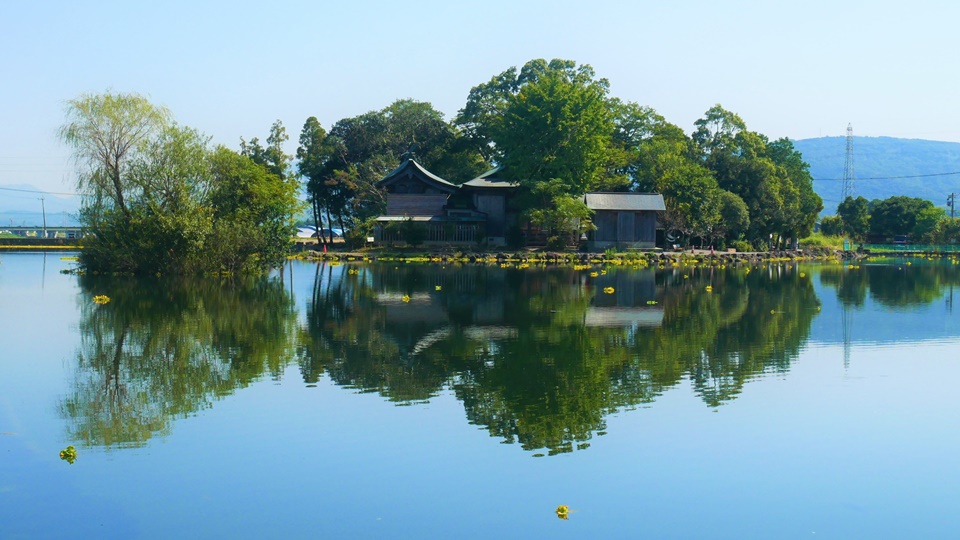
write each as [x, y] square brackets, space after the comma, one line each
[490, 179]
[411, 168]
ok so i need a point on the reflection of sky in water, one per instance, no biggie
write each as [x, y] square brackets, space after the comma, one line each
[866, 450]
[874, 322]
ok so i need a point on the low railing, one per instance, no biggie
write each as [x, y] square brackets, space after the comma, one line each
[913, 248]
[444, 232]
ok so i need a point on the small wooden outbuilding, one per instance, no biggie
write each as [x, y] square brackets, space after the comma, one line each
[624, 220]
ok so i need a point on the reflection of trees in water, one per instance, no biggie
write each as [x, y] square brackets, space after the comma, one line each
[891, 285]
[541, 357]
[537, 357]
[165, 349]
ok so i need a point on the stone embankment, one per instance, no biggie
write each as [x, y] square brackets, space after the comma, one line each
[548, 257]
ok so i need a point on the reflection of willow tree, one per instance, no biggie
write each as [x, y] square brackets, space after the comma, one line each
[525, 353]
[891, 285]
[163, 349]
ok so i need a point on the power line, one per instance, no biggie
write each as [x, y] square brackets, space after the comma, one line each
[890, 177]
[38, 191]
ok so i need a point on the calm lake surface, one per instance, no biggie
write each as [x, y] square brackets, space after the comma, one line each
[429, 401]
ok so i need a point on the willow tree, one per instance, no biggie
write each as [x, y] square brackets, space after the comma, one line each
[105, 132]
[160, 200]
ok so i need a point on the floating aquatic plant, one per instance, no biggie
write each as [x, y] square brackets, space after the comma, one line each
[563, 511]
[608, 290]
[69, 454]
[101, 299]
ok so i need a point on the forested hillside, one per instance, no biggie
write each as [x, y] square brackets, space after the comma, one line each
[875, 160]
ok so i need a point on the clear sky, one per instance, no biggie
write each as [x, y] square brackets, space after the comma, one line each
[795, 69]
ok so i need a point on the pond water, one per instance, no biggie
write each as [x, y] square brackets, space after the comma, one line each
[426, 401]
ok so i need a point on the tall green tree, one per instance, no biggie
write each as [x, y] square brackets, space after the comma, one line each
[253, 211]
[803, 204]
[312, 156]
[549, 121]
[717, 130]
[831, 225]
[771, 178]
[927, 223]
[663, 162]
[896, 215]
[854, 217]
[271, 156]
[734, 219]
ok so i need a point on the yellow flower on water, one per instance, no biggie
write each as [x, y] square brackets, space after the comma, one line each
[438, 287]
[773, 312]
[802, 274]
[603, 272]
[101, 299]
[563, 511]
[709, 288]
[405, 298]
[651, 302]
[608, 290]
[594, 274]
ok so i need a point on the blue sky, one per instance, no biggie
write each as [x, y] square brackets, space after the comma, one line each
[789, 69]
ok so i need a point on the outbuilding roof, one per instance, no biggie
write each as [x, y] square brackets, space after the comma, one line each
[625, 201]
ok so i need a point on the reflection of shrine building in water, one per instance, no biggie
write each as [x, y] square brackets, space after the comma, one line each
[627, 306]
[426, 308]
[440, 305]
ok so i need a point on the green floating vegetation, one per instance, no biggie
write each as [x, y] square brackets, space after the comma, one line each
[69, 454]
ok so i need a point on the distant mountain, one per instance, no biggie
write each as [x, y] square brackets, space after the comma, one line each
[875, 160]
[20, 205]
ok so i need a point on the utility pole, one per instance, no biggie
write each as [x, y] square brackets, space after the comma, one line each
[44, 208]
[951, 200]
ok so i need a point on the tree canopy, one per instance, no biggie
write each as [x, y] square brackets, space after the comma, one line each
[551, 121]
[159, 199]
[341, 167]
